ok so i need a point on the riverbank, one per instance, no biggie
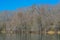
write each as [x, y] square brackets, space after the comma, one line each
[32, 32]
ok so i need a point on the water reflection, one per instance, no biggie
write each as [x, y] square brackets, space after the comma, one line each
[27, 36]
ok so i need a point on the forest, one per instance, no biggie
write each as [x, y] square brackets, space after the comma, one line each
[34, 18]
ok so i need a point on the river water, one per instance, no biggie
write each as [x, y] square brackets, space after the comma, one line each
[24, 36]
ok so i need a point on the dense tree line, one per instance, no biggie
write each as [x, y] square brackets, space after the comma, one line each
[34, 18]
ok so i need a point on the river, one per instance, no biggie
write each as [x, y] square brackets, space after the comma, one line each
[24, 36]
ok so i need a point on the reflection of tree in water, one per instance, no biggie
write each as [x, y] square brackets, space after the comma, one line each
[57, 28]
[12, 37]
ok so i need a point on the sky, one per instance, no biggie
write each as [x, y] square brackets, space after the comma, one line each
[15, 4]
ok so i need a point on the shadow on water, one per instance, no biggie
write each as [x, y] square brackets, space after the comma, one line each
[27, 36]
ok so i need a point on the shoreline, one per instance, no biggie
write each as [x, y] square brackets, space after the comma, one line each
[32, 32]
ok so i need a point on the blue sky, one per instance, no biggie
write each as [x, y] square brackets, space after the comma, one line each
[14, 4]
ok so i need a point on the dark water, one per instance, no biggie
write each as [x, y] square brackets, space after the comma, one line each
[25, 36]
